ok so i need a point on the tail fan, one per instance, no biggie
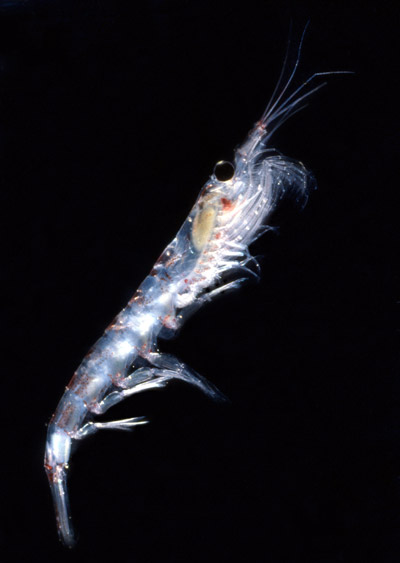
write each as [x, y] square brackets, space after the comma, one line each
[58, 484]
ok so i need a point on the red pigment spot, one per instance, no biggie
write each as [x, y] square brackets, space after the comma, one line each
[115, 379]
[169, 321]
[139, 299]
[185, 281]
[226, 203]
[260, 125]
[218, 235]
[203, 191]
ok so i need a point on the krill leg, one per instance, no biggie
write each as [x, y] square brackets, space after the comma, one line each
[124, 424]
[142, 379]
[168, 364]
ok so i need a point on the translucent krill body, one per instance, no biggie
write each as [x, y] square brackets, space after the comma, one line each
[209, 255]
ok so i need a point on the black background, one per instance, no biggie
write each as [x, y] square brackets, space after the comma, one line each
[112, 116]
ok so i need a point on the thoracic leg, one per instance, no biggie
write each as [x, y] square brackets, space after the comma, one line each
[230, 286]
[166, 368]
[124, 424]
[142, 379]
[168, 364]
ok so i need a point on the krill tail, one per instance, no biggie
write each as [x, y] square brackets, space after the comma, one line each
[58, 484]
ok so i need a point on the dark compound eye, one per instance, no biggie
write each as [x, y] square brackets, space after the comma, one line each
[224, 171]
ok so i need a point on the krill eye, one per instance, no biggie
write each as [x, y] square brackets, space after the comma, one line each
[224, 171]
